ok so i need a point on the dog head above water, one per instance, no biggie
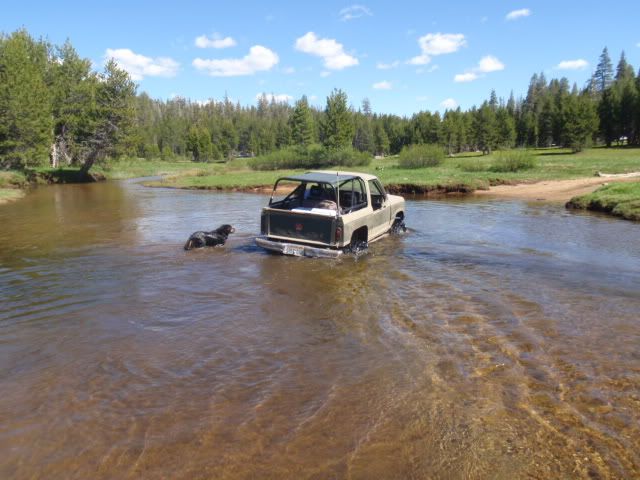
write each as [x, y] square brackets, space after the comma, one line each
[225, 230]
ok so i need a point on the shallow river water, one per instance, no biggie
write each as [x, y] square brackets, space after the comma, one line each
[494, 340]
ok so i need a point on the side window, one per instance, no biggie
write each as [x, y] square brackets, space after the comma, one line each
[360, 194]
[353, 195]
[377, 194]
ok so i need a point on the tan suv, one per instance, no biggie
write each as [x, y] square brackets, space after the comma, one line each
[322, 213]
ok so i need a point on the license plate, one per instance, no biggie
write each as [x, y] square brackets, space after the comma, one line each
[297, 250]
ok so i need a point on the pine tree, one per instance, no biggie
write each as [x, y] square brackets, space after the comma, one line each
[505, 128]
[380, 139]
[603, 76]
[366, 107]
[301, 123]
[73, 94]
[337, 125]
[627, 101]
[623, 70]
[626, 96]
[25, 101]
[607, 109]
[581, 121]
[493, 100]
[363, 140]
[511, 105]
[485, 129]
[113, 116]
[283, 134]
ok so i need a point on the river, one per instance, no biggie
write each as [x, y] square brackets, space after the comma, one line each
[494, 340]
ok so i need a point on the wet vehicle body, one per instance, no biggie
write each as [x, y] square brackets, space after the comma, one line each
[322, 213]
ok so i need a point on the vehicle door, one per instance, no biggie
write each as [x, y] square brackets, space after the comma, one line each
[381, 217]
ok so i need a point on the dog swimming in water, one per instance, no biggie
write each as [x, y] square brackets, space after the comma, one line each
[209, 239]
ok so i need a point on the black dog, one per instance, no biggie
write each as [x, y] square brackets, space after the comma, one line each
[209, 239]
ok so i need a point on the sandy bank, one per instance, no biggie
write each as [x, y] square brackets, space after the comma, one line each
[553, 190]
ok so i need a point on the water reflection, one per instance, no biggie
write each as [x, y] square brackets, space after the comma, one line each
[494, 340]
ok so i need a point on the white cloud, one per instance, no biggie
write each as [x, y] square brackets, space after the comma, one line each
[465, 77]
[354, 11]
[487, 64]
[515, 14]
[214, 42]
[579, 64]
[419, 60]
[449, 104]
[433, 44]
[279, 98]
[259, 59]
[139, 66]
[328, 49]
[384, 85]
[387, 66]
[325, 74]
[490, 64]
[431, 69]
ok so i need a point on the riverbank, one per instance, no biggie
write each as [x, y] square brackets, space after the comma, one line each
[12, 186]
[621, 200]
[557, 174]
[462, 174]
[10, 194]
[552, 190]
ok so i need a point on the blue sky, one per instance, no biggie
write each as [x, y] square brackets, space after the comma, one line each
[403, 56]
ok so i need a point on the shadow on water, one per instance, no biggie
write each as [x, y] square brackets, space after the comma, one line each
[492, 340]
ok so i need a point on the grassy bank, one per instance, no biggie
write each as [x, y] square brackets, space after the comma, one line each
[12, 185]
[9, 195]
[463, 173]
[620, 199]
[136, 168]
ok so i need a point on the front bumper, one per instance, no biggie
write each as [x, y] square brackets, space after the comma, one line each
[296, 249]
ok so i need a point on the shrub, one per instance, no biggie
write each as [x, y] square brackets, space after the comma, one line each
[348, 157]
[167, 153]
[472, 165]
[291, 157]
[512, 161]
[420, 156]
[314, 156]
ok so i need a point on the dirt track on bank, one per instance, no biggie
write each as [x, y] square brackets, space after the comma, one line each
[552, 190]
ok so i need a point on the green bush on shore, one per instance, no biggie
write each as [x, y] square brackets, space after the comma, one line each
[512, 161]
[420, 156]
[314, 156]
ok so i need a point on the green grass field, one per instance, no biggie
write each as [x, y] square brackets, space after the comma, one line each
[619, 199]
[463, 173]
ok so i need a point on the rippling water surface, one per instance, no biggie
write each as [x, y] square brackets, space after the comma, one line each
[493, 340]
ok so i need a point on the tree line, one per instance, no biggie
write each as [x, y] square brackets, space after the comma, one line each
[55, 110]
